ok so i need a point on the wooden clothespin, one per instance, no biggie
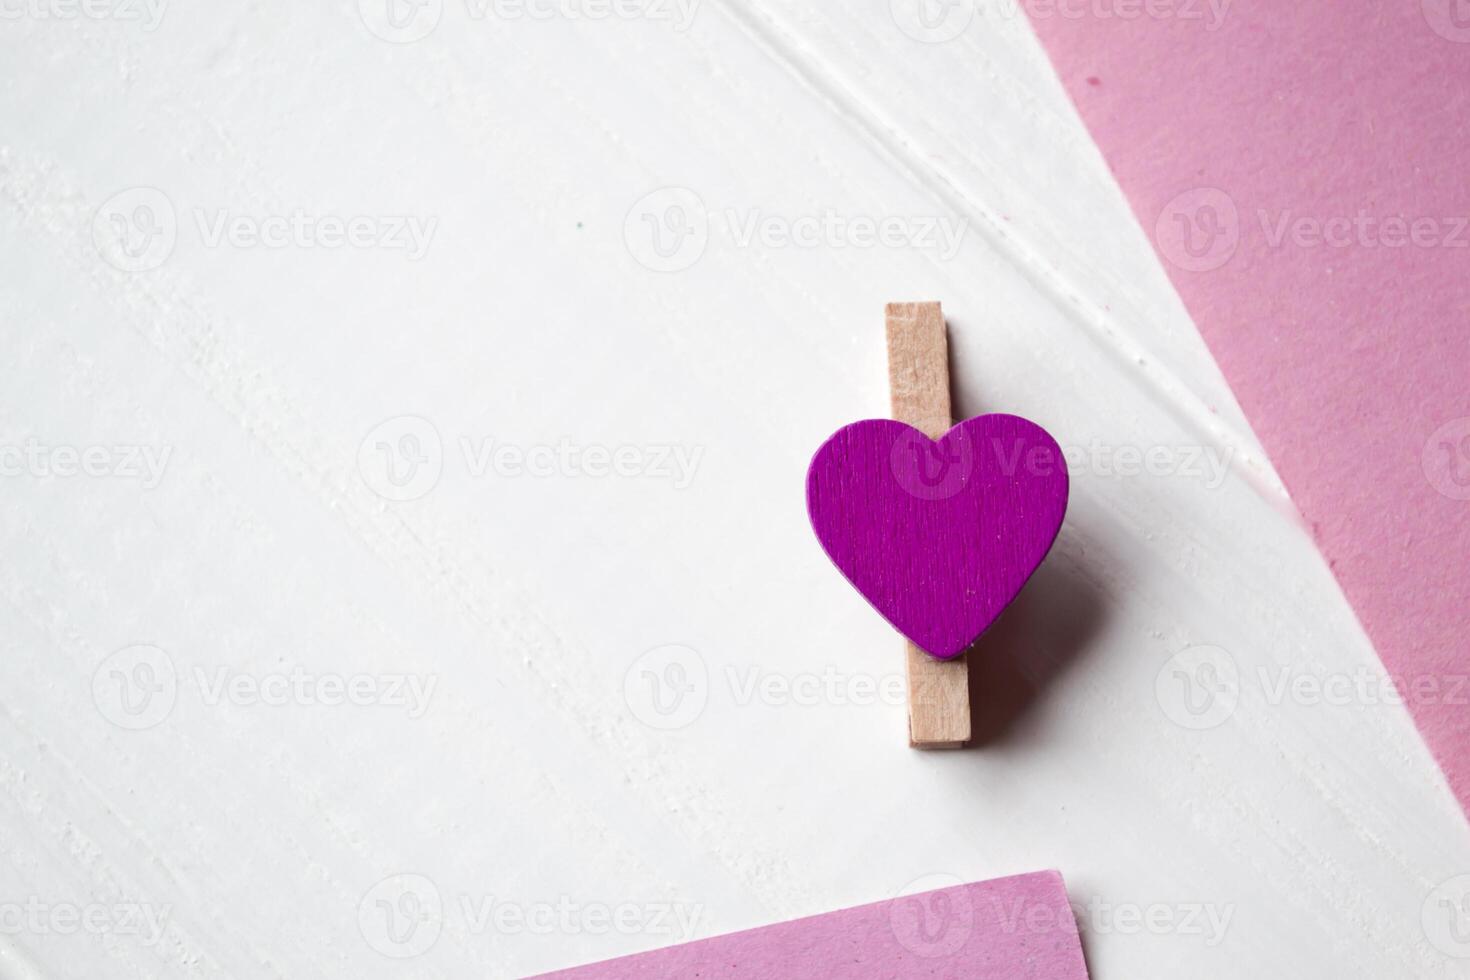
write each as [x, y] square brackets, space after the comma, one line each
[918, 388]
[937, 526]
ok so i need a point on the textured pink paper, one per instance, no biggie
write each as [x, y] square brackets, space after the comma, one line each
[1017, 928]
[1348, 342]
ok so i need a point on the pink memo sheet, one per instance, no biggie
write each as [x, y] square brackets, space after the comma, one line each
[1303, 169]
[1019, 928]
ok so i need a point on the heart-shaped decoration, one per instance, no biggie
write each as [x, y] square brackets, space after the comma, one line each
[938, 536]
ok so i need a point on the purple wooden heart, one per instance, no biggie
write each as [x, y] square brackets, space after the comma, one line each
[938, 536]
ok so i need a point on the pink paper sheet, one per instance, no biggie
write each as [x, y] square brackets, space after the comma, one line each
[1303, 168]
[1017, 928]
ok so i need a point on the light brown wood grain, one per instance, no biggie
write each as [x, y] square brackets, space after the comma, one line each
[918, 383]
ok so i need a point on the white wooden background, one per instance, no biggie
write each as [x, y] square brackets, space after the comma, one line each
[638, 716]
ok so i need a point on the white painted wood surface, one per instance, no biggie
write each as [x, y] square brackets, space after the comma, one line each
[539, 788]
